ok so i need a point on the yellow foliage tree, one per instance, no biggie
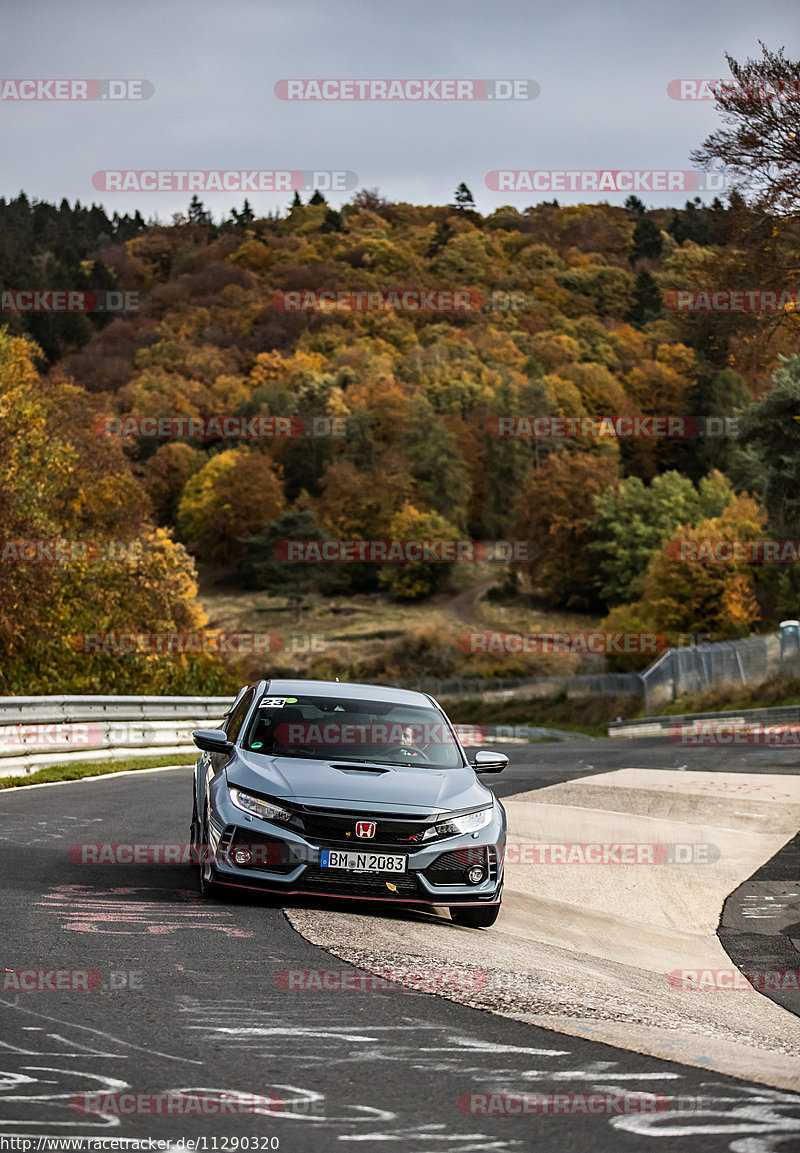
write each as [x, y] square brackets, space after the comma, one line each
[717, 598]
[92, 561]
[417, 579]
[233, 496]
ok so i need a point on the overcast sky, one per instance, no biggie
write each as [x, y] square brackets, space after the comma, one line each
[603, 69]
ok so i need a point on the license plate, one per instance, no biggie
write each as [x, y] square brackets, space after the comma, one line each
[363, 862]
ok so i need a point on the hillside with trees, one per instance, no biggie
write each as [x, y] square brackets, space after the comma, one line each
[571, 314]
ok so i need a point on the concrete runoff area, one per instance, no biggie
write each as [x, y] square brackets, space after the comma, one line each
[593, 949]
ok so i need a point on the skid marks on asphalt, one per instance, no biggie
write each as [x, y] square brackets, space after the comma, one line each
[40, 1095]
[120, 911]
[730, 1116]
[25, 831]
[39, 1078]
[756, 1119]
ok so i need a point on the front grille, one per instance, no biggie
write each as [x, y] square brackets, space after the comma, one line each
[268, 853]
[340, 829]
[329, 881]
[449, 869]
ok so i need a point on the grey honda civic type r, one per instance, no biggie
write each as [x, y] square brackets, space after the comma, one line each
[346, 790]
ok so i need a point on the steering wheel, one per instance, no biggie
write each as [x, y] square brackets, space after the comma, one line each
[410, 751]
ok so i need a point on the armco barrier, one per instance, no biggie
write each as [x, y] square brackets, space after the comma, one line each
[37, 731]
[660, 726]
[57, 709]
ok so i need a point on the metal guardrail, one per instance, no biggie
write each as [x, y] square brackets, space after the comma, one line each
[59, 709]
[660, 726]
[38, 731]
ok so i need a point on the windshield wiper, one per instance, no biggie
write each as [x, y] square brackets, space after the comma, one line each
[356, 761]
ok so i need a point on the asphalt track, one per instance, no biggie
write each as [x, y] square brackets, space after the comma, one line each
[191, 1000]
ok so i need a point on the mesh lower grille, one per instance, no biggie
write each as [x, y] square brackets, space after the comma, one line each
[359, 884]
[450, 868]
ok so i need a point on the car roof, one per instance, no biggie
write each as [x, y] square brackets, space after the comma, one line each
[349, 690]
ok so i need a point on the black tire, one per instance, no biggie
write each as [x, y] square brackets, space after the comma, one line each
[194, 837]
[208, 889]
[474, 916]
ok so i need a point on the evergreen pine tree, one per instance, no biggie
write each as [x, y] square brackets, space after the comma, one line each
[647, 301]
[464, 199]
[647, 240]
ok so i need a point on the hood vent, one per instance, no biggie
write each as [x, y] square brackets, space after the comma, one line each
[354, 767]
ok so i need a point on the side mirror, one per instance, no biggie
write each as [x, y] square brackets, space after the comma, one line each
[212, 741]
[487, 762]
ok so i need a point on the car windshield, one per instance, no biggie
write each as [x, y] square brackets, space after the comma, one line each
[356, 731]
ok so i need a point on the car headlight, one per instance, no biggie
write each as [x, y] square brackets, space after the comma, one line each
[457, 826]
[258, 808]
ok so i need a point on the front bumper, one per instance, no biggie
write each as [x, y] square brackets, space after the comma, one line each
[286, 861]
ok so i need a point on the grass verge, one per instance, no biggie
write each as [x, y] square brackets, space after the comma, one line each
[74, 771]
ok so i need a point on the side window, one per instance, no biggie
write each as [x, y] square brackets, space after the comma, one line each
[236, 719]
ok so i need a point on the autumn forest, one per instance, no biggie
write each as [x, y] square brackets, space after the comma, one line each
[394, 416]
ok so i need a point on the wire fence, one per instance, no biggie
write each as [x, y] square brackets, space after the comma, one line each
[588, 685]
[699, 668]
[678, 671]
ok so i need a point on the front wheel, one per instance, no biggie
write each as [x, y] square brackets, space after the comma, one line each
[194, 837]
[207, 887]
[208, 890]
[474, 916]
